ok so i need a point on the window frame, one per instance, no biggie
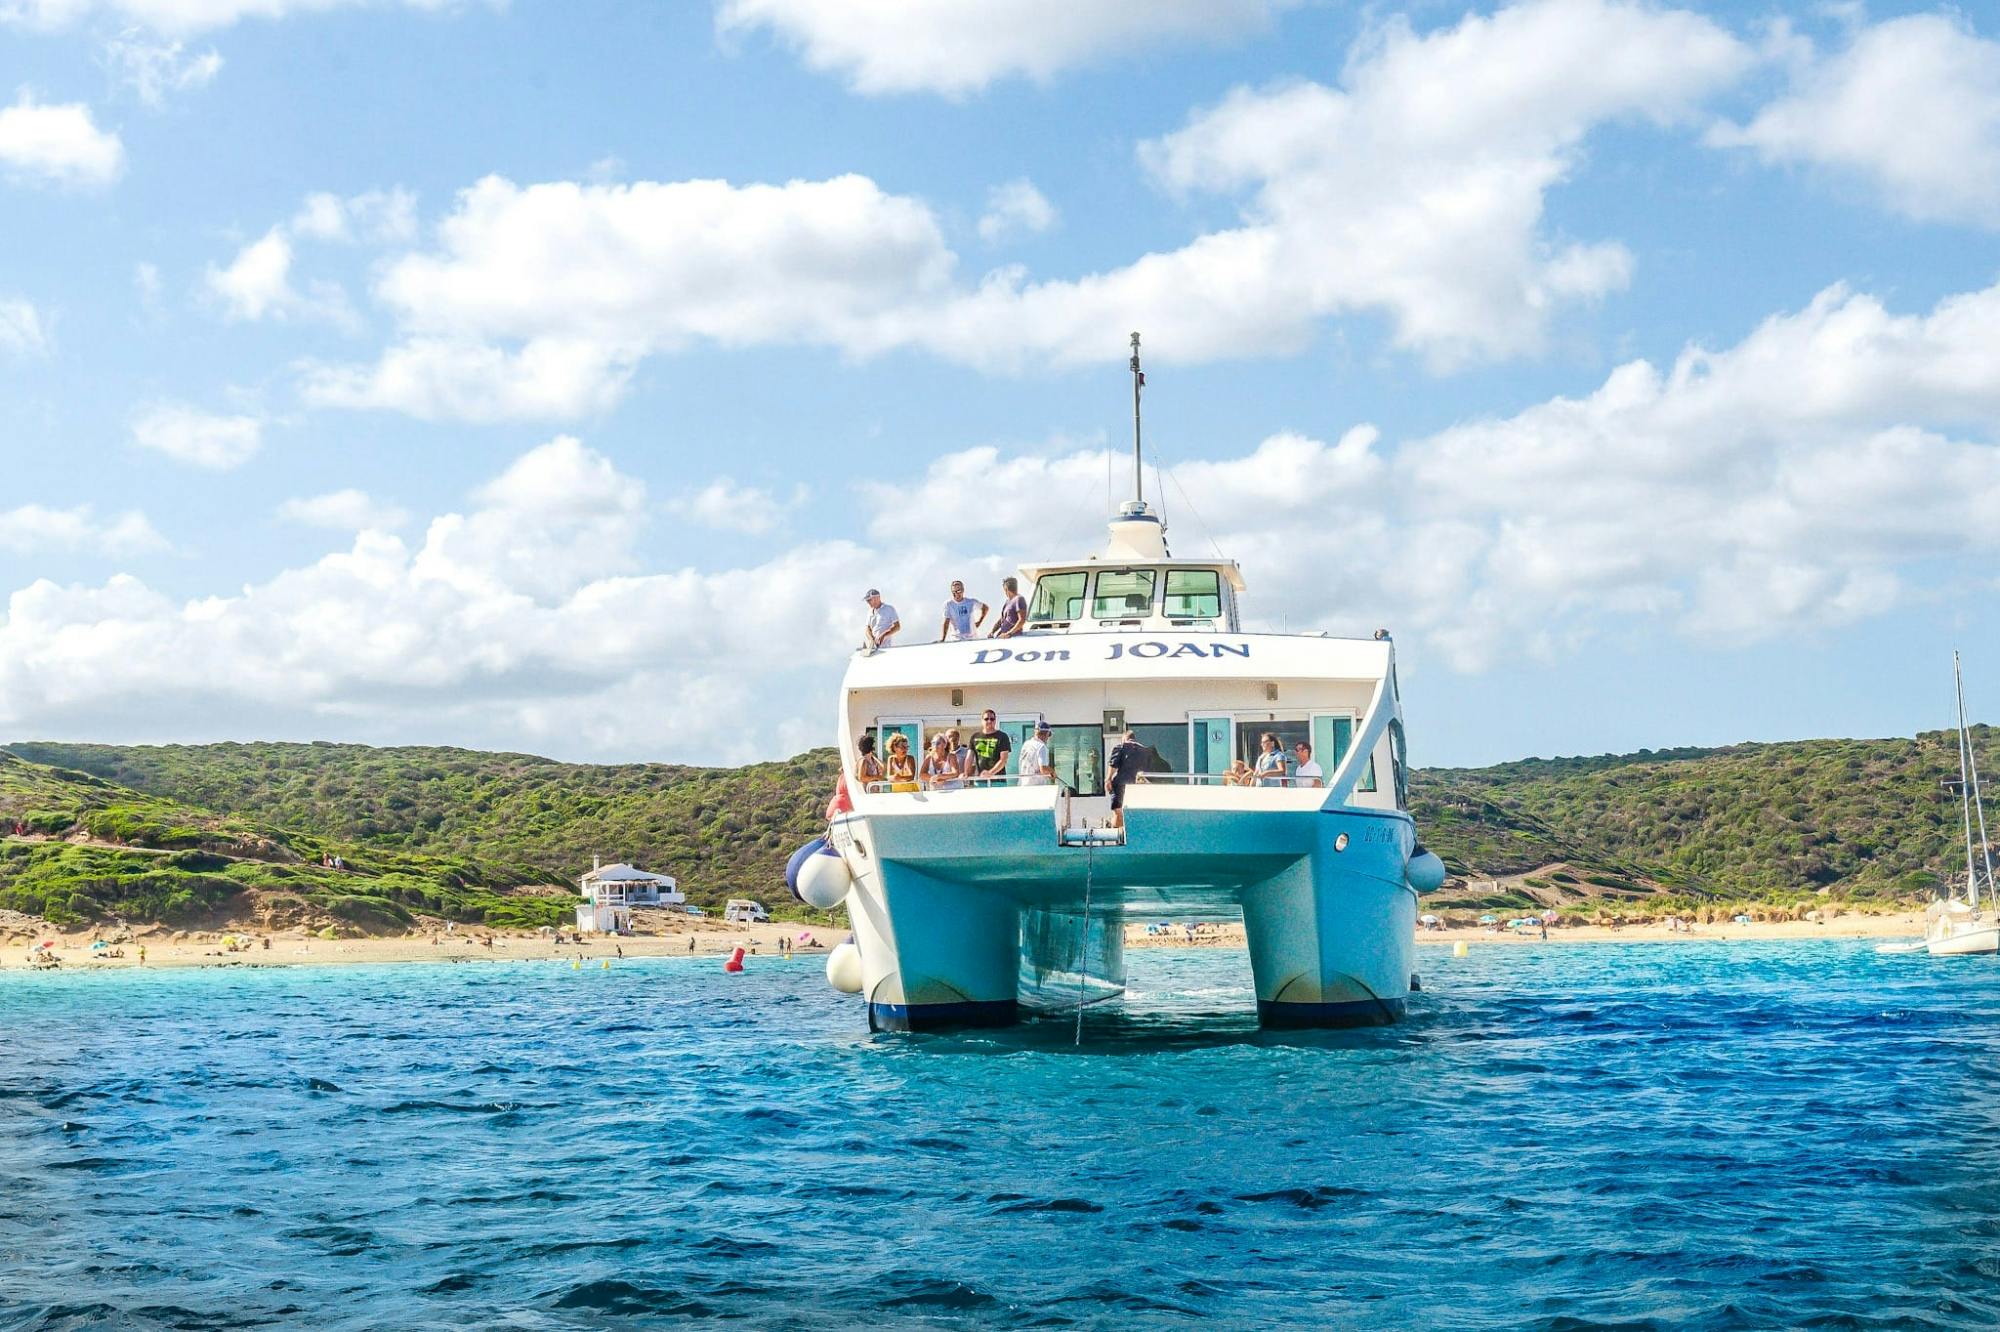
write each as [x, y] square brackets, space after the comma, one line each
[1167, 594]
[1125, 616]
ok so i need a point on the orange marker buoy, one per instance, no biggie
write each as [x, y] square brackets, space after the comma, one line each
[735, 962]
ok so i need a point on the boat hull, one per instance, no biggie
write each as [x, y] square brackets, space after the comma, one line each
[943, 884]
[1966, 943]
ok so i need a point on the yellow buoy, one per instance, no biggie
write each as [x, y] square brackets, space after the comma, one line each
[607, 964]
[1460, 949]
[576, 964]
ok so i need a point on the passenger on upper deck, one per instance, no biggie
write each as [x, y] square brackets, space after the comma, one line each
[868, 768]
[1271, 763]
[1013, 610]
[902, 768]
[959, 621]
[1128, 761]
[990, 748]
[941, 770]
[1036, 769]
[1307, 773]
[883, 622]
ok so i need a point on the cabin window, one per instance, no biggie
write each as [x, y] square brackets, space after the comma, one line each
[1077, 755]
[1058, 596]
[1123, 594]
[1194, 594]
[1168, 743]
[1400, 764]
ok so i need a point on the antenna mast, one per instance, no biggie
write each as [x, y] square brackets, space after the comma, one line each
[1138, 382]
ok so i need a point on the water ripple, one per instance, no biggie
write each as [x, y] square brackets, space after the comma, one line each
[1559, 1137]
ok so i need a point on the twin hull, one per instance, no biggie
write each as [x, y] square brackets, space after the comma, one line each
[951, 888]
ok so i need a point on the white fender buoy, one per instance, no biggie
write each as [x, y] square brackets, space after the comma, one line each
[824, 880]
[1425, 872]
[843, 968]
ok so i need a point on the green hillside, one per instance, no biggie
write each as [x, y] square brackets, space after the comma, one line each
[89, 849]
[177, 828]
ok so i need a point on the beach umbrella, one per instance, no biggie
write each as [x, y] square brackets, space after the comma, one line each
[1427, 919]
[1489, 920]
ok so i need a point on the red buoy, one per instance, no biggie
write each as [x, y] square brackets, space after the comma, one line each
[735, 962]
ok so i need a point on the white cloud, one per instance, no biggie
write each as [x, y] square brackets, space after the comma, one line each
[22, 330]
[380, 217]
[175, 16]
[187, 434]
[343, 511]
[550, 379]
[1834, 463]
[58, 143]
[155, 69]
[957, 47]
[1911, 108]
[146, 282]
[257, 283]
[34, 529]
[1014, 209]
[1414, 191]
[728, 507]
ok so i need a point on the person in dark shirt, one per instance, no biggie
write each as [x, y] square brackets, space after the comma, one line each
[990, 748]
[1128, 760]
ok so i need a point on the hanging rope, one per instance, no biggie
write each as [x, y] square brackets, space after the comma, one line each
[1083, 941]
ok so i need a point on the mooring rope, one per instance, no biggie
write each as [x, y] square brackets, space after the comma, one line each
[1083, 940]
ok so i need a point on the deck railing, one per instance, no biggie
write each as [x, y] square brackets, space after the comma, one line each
[1144, 779]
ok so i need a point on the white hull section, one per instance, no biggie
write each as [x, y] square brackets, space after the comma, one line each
[1965, 941]
[957, 895]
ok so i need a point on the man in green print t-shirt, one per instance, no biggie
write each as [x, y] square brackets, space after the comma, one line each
[990, 747]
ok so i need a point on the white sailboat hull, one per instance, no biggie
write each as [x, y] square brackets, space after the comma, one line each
[1965, 942]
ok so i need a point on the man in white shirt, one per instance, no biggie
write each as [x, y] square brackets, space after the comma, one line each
[883, 622]
[1034, 761]
[958, 618]
[1308, 773]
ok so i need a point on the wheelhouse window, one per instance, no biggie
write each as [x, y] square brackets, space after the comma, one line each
[1123, 594]
[1058, 596]
[1194, 594]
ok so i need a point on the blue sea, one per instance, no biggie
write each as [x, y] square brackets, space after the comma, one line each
[1560, 1136]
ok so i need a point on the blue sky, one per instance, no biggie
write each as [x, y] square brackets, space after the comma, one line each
[388, 371]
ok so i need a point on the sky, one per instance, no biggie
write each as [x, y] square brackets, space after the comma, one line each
[557, 377]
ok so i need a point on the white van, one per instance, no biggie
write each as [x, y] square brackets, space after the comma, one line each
[742, 911]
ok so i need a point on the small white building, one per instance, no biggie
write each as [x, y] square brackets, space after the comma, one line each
[611, 891]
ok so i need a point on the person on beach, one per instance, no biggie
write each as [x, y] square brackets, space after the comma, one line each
[883, 622]
[867, 767]
[1308, 772]
[941, 771]
[1128, 761]
[959, 621]
[990, 748]
[901, 767]
[1013, 610]
[1271, 763]
[1035, 766]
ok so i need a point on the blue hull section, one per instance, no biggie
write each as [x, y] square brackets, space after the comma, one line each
[943, 1017]
[1281, 1016]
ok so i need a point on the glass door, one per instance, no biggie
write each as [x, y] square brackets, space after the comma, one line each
[1211, 741]
[1018, 730]
[1077, 755]
[908, 727]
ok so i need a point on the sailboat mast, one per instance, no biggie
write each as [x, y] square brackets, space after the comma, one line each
[1138, 469]
[1972, 764]
[1964, 786]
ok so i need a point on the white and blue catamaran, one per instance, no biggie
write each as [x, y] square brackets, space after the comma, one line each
[961, 900]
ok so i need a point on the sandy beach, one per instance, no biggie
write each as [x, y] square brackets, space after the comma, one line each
[211, 948]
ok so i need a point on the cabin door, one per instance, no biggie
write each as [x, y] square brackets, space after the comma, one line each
[908, 727]
[1211, 742]
[1018, 730]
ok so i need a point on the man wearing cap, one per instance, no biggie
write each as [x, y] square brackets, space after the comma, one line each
[883, 622]
[1034, 763]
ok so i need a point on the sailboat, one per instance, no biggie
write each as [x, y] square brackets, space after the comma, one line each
[1957, 925]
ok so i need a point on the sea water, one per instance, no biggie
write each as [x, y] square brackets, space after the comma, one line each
[1559, 1136]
